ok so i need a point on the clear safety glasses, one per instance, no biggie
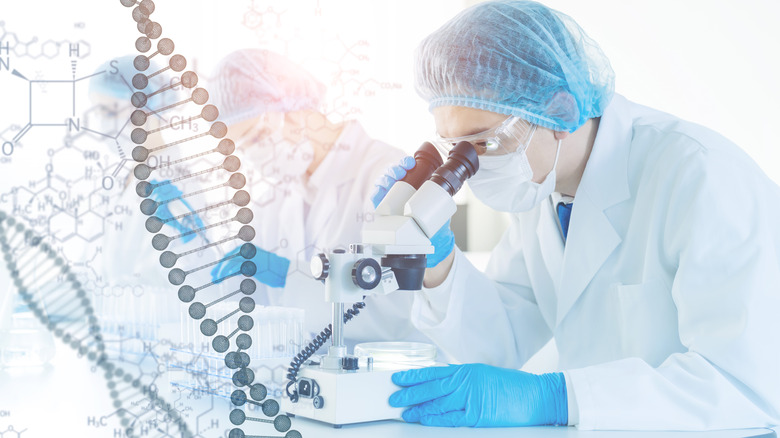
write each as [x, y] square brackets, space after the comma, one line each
[512, 135]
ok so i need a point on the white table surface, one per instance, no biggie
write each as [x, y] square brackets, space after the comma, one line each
[66, 399]
[388, 429]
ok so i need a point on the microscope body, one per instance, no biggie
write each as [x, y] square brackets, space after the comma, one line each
[337, 387]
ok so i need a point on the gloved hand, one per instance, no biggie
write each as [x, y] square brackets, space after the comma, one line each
[393, 174]
[170, 191]
[480, 395]
[271, 268]
[443, 241]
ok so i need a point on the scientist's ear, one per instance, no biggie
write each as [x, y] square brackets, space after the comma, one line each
[560, 135]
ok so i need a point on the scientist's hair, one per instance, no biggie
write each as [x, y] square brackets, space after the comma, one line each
[250, 82]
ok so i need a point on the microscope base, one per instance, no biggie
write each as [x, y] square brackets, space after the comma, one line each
[347, 397]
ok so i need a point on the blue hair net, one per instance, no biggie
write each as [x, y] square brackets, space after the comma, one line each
[116, 83]
[250, 82]
[518, 58]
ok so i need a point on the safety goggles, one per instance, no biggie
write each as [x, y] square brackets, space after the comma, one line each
[512, 135]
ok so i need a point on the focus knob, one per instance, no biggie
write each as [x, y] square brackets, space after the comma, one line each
[366, 273]
[349, 363]
[320, 266]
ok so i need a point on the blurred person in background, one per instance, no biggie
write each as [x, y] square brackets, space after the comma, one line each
[310, 181]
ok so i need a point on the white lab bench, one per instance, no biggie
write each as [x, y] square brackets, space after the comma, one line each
[65, 398]
[387, 429]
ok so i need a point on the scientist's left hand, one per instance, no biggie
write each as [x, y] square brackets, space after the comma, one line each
[480, 395]
[270, 269]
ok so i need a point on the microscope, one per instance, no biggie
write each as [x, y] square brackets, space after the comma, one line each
[338, 387]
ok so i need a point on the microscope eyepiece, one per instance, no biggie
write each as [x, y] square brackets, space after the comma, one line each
[462, 163]
[427, 160]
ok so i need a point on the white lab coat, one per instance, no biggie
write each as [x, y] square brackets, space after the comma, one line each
[664, 301]
[327, 212]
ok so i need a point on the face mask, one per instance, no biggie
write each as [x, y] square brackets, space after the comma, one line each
[504, 183]
[275, 157]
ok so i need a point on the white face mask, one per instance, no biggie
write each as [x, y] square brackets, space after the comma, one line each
[276, 158]
[504, 183]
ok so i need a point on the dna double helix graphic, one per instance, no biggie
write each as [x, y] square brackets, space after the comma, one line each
[207, 158]
[52, 292]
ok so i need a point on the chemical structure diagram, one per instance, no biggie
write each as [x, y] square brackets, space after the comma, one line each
[57, 299]
[10, 432]
[71, 203]
[48, 85]
[344, 61]
[70, 177]
[157, 359]
[68, 193]
[343, 64]
[33, 48]
[60, 200]
[12, 47]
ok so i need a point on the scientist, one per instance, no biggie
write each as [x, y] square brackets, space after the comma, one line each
[646, 246]
[310, 181]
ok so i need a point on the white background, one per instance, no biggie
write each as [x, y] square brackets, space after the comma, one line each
[713, 62]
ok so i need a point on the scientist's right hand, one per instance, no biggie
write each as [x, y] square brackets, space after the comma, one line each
[271, 269]
[480, 395]
[443, 241]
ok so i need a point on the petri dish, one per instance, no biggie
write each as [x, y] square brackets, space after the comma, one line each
[392, 355]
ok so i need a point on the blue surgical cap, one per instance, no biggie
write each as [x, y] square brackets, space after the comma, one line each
[517, 58]
[250, 82]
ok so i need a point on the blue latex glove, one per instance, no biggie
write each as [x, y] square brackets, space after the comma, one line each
[393, 174]
[271, 269]
[443, 241]
[170, 191]
[480, 395]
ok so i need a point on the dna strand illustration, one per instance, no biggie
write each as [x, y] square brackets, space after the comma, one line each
[206, 167]
[52, 292]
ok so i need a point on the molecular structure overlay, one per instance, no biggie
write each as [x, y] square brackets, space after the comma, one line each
[54, 295]
[10, 432]
[73, 206]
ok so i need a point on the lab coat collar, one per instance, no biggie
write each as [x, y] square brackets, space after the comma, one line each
[604, 184]
[335, 168]
[338, 168]
[605, 179]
